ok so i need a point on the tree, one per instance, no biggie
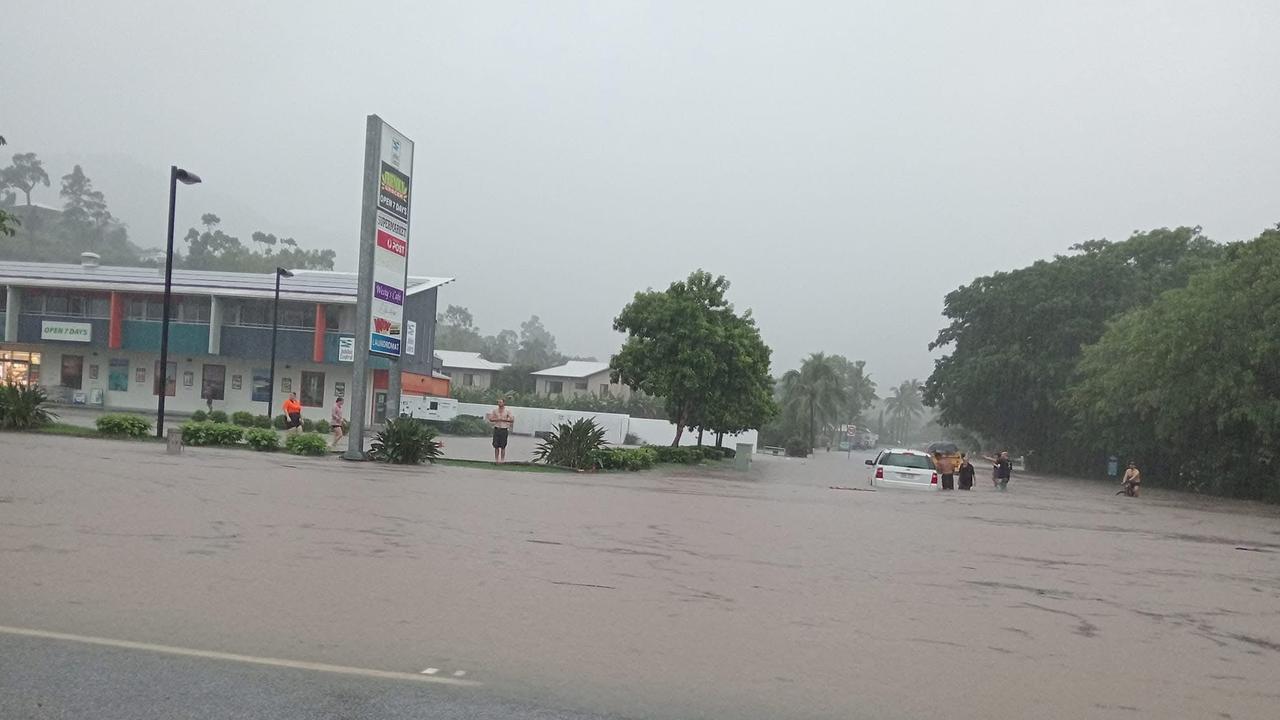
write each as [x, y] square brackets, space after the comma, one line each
[859, 389]
[84, 212]
[815, 391]
[1189, 386]
[501, 347]
[8, 224]
[25, 174]
[537, 345]
[903, 405]
[687, 346]
[214, 249]
[267, 240]
[1015, 337]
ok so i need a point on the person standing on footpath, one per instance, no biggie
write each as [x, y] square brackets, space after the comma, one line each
[335, 422]
[966, 472]
[502, 421]
[293, 413]
[1002, 469]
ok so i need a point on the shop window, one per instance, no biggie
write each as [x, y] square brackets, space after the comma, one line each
[261, 385]
[72, 371]
[170, 377]
[212, 379]
[55, 305]
[118, 375]
[312, 394]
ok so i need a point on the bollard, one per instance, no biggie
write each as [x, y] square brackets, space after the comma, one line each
[742, 457]
[174, 436]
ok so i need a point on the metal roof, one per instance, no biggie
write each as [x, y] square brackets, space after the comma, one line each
[305, 285]
[466, 361]
[575, 369]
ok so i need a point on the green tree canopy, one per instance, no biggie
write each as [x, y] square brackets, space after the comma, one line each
[904, 404]
[688, 346]
[1015, 337]
[214, 249]
[25, 174]
[1189, 386]
[814, 394]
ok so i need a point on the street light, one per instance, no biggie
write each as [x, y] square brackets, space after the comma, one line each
[176, 175]
[275, 323]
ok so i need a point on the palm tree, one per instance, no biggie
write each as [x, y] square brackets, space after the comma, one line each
[904, 404]
[814, 389]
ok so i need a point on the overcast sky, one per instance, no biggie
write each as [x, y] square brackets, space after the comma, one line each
[844, 164]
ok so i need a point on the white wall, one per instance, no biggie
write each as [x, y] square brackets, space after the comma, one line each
[531, 420]
[483, 378]
[661, 432]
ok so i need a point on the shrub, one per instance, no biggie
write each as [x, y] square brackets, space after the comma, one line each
[280, 422]
[681, 455]
[405, 441]
[631, 459]
[709, 452]
[307, 444]
[262, 421]
[322, 426]
[308, 425]
[199, 416]
[264, 439]
[217, 416]
[242, 418]
[123, 425]
[22, 408]
[571, 445]
[211, 433]
[632, 439]
[797, 447]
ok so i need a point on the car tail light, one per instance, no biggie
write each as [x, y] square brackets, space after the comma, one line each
[934, 480]
[879, 473]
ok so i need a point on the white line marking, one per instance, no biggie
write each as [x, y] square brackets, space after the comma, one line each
[232, 657]
[430, 671]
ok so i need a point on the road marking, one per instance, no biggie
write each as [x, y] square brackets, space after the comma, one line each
[460, 673]
[233, 657]
[430, 671]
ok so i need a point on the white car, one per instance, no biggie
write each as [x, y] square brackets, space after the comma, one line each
[902, 468]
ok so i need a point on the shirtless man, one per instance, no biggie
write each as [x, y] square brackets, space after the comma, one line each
[502, 421]
[1132, 480]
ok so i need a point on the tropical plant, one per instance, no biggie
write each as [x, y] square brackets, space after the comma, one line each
[903, 405]
[405, 441]
[815, 391]
[242, 418]
[23, 408]
[307, 444]
[264, 439]
[123, 425]
[571, 444]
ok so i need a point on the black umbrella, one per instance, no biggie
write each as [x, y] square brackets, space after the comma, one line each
[943, 448]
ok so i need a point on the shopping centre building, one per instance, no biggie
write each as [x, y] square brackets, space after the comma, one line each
[90, 335]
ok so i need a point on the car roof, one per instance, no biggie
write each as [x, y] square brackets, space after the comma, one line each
[905, 451]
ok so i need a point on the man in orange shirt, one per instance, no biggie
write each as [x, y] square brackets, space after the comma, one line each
[293, 411]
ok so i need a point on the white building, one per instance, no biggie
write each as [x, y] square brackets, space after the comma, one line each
[467, 369]
[578, 377]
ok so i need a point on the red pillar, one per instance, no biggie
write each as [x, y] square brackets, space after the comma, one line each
[115, 331]
[317, 348]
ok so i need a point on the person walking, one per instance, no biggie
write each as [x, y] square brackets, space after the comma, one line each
[946, 468]
[293, 414]
[502, 421]
[966, 472]
[1002, 469]
[335, 422]
[1131, 483]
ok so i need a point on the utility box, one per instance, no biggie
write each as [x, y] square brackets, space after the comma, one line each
[742, 458]
[174, 437]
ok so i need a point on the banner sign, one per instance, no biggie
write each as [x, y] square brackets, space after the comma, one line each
[410, 337]
[346, 349]
[68, 331]
[391, 250]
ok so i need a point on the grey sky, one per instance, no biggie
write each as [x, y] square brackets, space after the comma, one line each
[844, 164]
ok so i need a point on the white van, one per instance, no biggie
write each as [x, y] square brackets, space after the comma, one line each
[902, 468]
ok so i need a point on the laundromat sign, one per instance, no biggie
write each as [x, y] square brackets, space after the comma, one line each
[66, 331]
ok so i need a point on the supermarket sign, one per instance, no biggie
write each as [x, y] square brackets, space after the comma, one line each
[66, 331]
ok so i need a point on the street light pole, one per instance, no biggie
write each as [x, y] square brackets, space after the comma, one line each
[176, 175]
[275, 324]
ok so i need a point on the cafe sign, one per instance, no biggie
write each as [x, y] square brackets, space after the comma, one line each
[66, 331]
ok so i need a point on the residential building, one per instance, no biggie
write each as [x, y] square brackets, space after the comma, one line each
[578, 377]
[91, 335]
[467, 369]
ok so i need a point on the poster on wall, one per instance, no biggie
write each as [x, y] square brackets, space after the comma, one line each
[391, 242]
[346, 349]
[93, 372]
[286, 384]
[410, 337]
[118, 375]
[235, 382]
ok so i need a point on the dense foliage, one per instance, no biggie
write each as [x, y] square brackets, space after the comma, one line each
[571, 445]
[1189, 386]
[242, 418]
[826, 391]
[637, 405]
[307, 444]
[405, 441]
[630, 459]
[23, 408]
[688, 346]
[1015, 338]
[123, 425]
[263, 439]
[211, 433]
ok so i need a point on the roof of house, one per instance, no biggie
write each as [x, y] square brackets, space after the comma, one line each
[466, 361]
[305, 285]
[575, 369]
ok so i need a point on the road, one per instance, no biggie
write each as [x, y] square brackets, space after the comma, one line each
[668, 594]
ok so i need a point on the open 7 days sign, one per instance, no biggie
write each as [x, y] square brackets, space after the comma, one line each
[66, 331]
[391, 248]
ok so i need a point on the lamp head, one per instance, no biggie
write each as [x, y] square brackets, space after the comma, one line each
[187, 178]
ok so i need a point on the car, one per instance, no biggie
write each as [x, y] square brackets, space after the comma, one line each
[904, 468]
